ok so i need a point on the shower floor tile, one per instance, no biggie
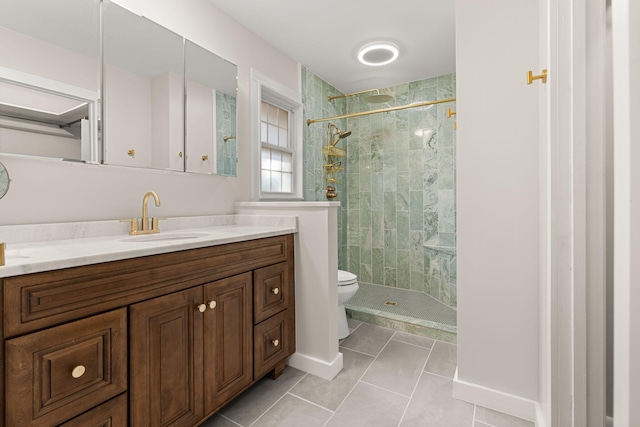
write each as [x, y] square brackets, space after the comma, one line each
[404, 305]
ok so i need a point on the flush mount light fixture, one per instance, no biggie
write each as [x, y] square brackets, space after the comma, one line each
[378, 53]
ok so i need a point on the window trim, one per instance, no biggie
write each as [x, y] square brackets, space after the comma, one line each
[263, 88]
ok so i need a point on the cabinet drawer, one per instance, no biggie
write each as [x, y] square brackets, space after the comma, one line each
[273, 341]
[110, 414]
[272, 290]
[58, 373]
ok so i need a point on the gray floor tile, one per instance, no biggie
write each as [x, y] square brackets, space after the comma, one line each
[499, 419]
[480, 424]
[368, 339]
[369, 406]
[433, 405]
[443, 359]
[218, 421]
[329, 394]
[251, 404]
[353, 324]
[397, 368]
[291, 411]
[413, 339]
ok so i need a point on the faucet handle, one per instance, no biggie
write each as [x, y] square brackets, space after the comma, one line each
[134, 225]
[154, 223]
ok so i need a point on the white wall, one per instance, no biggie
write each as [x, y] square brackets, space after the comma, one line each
[51, 191]
[498, 204]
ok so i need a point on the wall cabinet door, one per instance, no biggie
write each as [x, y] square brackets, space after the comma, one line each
[228, 339]
[166, 360]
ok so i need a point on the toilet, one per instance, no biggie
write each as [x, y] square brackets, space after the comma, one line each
[347, 287]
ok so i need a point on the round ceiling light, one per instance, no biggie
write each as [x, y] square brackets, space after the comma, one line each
[378, 53]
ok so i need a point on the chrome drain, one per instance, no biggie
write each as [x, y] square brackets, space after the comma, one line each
[391, 303]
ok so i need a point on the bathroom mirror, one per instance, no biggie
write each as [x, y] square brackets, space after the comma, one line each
[210, 118]
[4, 180]
[159, 87]
[143, 110]
[50, 78]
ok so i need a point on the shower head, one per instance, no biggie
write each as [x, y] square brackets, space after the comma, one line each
[378, 98]
[337, 133]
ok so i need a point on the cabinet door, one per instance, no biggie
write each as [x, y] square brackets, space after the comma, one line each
[57, 373]
[166, 360]
[228, 341]
[274, 341]
[110, 414]
[272, 290]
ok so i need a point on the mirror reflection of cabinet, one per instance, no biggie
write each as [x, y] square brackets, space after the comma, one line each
[143, 107]
[210, 111]
[50, 78]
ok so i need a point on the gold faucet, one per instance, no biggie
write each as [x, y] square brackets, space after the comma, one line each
[145, 218]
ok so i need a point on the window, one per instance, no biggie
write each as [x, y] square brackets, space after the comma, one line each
[276, 154]
[277, 147]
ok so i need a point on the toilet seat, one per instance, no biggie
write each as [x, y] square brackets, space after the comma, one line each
[346, 278]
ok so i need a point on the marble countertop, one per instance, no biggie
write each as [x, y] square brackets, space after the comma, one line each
[45, 247]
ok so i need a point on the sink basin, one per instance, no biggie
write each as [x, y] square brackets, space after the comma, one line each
[167, 237]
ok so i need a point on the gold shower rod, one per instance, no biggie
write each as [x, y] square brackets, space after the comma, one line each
[382, 110]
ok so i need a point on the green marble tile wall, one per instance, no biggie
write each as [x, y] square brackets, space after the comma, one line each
[400, 220]
[225, 126]
[315, 93]
[397, 224]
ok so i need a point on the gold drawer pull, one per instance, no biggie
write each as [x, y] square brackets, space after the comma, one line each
[276, 291]
[131, 152]
[275, 343]
[205, 158]
[202, 308]
[78, 371]
[212, 305]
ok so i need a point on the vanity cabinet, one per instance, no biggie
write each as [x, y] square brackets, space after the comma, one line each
[193, 343]
[162, 340]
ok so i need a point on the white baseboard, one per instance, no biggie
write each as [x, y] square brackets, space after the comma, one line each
[497, 400]
[317, 367]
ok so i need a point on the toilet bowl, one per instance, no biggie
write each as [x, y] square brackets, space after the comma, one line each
[347, 287]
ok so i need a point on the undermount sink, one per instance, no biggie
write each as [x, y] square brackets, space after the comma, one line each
[164, 237]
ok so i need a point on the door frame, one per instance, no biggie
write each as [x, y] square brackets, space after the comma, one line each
[626, 105]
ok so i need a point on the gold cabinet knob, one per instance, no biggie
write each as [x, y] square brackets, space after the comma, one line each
[276, 291]
[202, 308]
[205, 158]
[78, 371]
[131, 152]
[180, 154]
[212, 304]
[275, 343]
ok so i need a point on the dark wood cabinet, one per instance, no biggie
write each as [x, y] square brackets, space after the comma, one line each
[162, 340]
[113, 413]
[55, 374]
[165, 359]
[228, 340]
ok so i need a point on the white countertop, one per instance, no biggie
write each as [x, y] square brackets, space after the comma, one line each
[45, 247]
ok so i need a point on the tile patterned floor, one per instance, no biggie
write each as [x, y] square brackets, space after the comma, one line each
[390, 378]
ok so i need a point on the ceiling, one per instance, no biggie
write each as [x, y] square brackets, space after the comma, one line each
[325, 36]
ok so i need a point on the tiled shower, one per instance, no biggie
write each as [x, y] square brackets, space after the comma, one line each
[397, 221]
